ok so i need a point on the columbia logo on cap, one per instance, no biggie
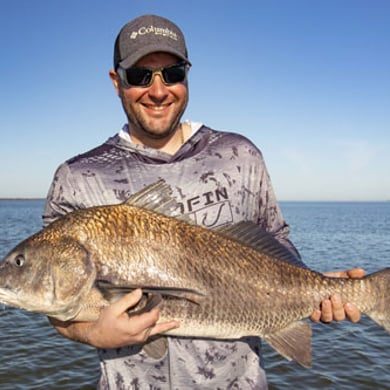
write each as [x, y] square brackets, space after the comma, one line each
[166, 32]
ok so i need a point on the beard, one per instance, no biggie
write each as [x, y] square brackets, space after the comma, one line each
[147, 127]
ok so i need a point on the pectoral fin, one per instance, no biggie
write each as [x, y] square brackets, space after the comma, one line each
[293, 342]
[146, 304]
[113, 292]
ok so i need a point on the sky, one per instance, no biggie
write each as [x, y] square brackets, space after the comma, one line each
[308, 81]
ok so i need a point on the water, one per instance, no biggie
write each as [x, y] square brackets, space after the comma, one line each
[32, 354]
[330, 236]
[338, 236]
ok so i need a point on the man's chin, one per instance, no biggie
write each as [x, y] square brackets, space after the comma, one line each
[160, 135]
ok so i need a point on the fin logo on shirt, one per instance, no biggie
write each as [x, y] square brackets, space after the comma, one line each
[213, 216]
[209, 209]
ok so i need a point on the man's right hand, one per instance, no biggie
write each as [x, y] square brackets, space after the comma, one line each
[115, 328]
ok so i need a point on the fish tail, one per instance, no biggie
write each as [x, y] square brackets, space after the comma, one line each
[380, 309]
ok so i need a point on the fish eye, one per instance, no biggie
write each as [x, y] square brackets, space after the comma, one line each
[19, 260]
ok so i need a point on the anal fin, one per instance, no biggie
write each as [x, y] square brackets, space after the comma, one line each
[293, 342]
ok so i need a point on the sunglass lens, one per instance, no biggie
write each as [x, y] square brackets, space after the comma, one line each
[174, 74]
[138, 76]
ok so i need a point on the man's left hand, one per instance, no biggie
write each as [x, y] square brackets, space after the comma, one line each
[332, 309]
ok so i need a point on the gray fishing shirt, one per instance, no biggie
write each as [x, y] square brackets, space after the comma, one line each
[219, 178]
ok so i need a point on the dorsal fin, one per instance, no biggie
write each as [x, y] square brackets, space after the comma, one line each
[157, 197]
[250, 234]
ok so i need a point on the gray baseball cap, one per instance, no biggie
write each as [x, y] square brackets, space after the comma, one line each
[148, 34]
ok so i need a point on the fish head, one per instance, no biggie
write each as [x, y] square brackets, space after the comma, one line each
[50, 276]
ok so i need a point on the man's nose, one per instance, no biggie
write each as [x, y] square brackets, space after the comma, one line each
[158, 88]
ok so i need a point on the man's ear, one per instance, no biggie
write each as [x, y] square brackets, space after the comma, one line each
[115, 80]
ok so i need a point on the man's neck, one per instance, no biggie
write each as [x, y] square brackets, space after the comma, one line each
[168, 145]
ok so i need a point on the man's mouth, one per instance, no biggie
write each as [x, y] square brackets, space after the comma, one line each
[156, 108]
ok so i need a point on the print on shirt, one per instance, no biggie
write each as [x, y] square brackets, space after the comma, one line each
[209, 209]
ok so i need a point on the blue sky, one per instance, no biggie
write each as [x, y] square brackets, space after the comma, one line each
[307, 81]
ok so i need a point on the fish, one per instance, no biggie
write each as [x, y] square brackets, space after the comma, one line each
[225, 283]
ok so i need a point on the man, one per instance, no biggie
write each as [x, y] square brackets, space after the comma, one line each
[220, 178]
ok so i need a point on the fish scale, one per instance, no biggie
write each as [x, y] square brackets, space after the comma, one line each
[226, 284]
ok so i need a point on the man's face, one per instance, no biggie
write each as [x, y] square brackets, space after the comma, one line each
[154, 111]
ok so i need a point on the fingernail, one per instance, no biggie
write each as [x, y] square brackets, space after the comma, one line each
[348, 306]
[336, 298]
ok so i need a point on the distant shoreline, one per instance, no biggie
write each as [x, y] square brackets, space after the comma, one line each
[21, 199]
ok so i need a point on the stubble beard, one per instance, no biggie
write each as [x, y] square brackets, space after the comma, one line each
[140, 124]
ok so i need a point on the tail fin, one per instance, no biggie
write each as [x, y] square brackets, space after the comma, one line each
[380, 312]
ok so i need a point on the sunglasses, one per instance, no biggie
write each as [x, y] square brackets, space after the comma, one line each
[138, 76]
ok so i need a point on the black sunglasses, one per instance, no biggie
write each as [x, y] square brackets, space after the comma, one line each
[138, 76]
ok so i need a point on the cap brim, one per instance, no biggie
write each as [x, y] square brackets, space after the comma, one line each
[135, 57]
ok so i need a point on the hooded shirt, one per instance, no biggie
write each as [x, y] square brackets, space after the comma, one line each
[219, 178]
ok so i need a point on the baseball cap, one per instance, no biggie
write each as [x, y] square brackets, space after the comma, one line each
[148, 34]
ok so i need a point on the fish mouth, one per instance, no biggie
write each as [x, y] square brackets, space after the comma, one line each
[9, 297]
[13, 299]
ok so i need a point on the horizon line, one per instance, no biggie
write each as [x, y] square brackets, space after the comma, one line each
[20, 198]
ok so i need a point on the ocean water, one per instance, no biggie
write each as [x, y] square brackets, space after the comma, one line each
[330, 236]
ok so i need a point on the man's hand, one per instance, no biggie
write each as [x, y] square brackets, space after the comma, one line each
[332, 309]
[115, 328]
